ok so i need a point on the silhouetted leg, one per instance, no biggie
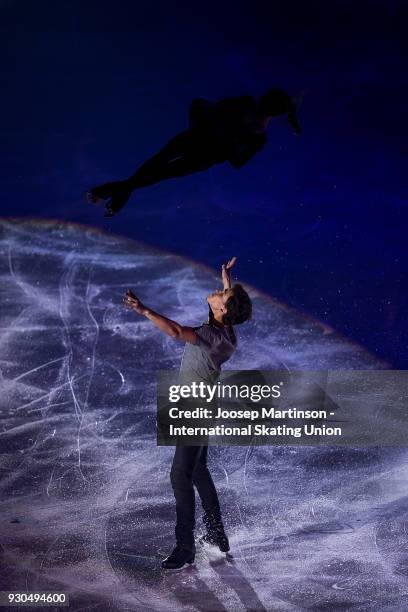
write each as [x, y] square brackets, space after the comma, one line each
[184, 154]
[172, 169]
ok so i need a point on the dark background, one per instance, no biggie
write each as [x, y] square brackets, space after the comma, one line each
[91, 89]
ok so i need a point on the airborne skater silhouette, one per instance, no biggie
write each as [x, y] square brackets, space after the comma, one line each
[232, 129]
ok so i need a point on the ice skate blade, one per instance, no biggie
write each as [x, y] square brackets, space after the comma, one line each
[179, 569]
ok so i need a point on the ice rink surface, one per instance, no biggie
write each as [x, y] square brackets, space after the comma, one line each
[86, 502]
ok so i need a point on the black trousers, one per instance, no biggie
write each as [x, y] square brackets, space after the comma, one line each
[190, 469]
[189, 152]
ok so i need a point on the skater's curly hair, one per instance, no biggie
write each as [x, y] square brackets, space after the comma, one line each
[239, 307]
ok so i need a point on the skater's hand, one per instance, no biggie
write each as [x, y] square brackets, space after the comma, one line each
[133, 302]
[230, 264]
[226, 271]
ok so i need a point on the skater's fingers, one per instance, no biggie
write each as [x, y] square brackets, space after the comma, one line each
[230, 264]
[134, 302]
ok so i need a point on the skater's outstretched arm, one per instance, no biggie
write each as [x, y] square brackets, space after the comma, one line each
[169, 327]
[226, 272]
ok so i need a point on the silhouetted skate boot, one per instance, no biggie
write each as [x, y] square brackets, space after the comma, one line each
[178, 559]
[215, 535]
[96, 195]
[119, 196]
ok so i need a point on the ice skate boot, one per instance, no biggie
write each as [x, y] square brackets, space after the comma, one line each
[178, 559]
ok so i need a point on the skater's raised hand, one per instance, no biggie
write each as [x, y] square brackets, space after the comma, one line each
[230, 264]
[226, 272]
[131, 301]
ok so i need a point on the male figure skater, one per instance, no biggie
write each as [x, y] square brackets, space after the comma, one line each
[233, 129]
[207, 348]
